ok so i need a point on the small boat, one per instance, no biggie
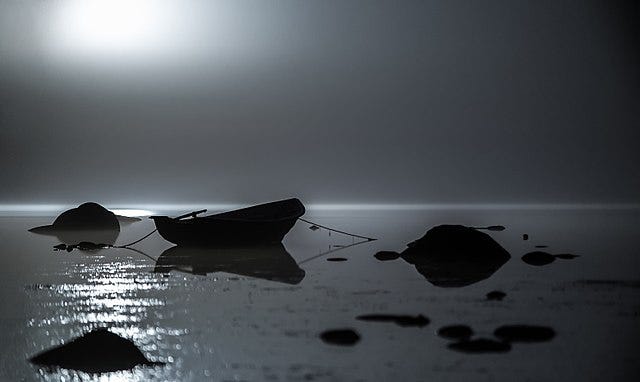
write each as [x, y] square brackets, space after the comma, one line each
[262, 224]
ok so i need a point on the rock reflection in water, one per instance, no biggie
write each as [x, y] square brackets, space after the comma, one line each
[268, 262]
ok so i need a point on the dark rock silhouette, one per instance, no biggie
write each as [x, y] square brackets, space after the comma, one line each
[336, 259]
[496, 295]
[87, 216]
[538, 258]
[89, 222]
[400, 320]
[386, 255]
[98, 351]
[269, 262]
[458, 332]
[542, 246]
[455, 255]
[481, 345]
[343, 337]
[525, 236]
[524, 333]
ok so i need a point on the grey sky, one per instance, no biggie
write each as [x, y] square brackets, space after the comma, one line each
[331, 101]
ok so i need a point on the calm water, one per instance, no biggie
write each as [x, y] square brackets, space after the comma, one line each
[240, 326]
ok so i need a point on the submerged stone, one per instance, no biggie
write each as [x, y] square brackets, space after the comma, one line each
[455, 255]
[496, 295]
[458, 332]
[538, 258]
[401, 320]
[481, 345]
[386, 255]
[98, 351]
[342, 337]
[524, 333]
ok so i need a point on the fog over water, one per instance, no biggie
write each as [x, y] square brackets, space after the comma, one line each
[330, 101]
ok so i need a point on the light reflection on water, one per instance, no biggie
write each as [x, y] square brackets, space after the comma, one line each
[234, 327]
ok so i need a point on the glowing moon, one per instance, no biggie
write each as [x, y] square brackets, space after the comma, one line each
[113, 27]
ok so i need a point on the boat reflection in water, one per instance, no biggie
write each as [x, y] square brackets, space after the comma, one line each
[269, 262]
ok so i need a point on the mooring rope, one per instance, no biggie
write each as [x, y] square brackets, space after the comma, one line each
[336, 230]
[137, 241]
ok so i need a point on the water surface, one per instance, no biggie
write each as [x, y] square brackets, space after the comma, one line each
[240, 324]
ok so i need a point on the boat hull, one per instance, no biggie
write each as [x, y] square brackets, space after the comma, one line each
[262, 224]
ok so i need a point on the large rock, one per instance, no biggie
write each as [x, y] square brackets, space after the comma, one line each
[98, 351]
[87, 216]
[455, 255]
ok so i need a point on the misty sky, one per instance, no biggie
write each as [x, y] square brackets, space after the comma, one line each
[330, 101]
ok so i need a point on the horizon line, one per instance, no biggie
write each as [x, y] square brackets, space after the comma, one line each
[149, 209]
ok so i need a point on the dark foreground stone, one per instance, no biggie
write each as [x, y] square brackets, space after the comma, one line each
[98, 351]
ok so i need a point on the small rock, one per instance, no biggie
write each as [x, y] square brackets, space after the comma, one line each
[386, 255]
[525, 236]
[496, 295]
[566, 256]
[336, 259]
[538, 258]
[342, 337]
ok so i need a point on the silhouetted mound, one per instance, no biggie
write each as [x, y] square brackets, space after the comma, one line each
[566, 256]
[386, 255]
[269, 262]
[87, 216]
[458, 332]
[336, 259]
[401, 320]
[455, 255]
[538, 258]
[524, 333]
[496, 295]
[98, 351]
[343, 337]
[481, 345]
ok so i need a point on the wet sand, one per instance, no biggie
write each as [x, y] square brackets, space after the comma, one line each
[248, 322]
